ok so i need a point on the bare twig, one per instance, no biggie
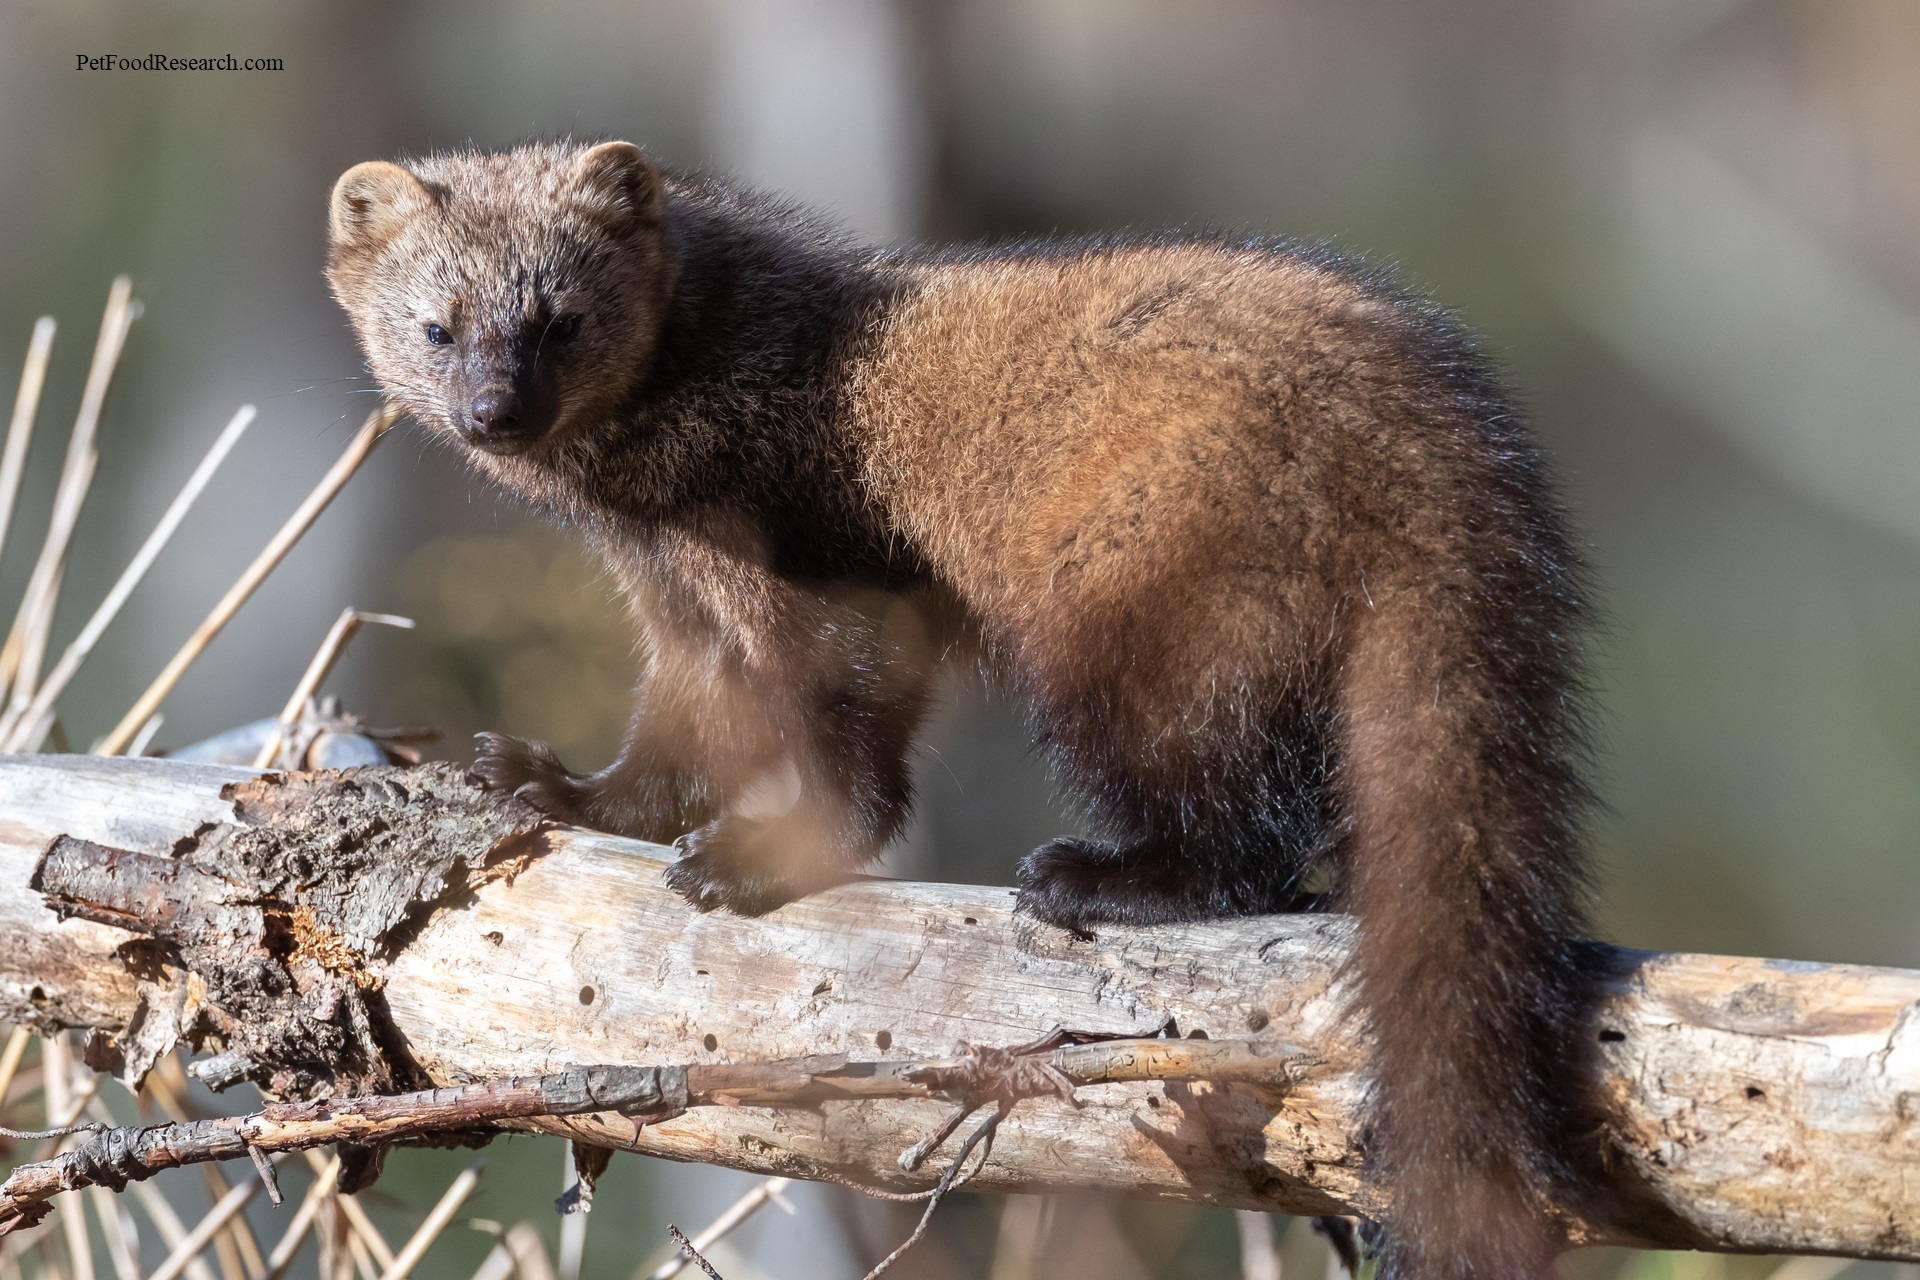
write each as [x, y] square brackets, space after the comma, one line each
[441, 1214]
[20, 429]
[331, 648]
[973, 1078]
[686, 1247]
[736, 1213]
[121, 1155]
[263, 564]
[981, 1137]
[21, 728]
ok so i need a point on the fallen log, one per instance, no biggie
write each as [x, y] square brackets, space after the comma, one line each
[428, 935]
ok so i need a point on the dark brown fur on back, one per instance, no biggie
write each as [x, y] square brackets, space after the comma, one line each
[1255, 537]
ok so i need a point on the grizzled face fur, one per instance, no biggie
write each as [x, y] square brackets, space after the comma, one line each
[511, 300]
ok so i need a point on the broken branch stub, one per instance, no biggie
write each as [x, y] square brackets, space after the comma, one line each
[263, 934]
[1748, 1105]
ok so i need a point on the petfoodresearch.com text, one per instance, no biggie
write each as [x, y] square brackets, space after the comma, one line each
[167, 62]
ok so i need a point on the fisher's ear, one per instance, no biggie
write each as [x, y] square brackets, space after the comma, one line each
[616, 185]
[371, 203]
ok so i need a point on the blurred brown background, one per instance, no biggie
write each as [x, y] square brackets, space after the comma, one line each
[1689, 230]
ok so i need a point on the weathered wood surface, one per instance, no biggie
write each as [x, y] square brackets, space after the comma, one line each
[1752, 1105]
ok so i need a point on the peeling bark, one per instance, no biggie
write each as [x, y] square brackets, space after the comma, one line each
[1752, 1105]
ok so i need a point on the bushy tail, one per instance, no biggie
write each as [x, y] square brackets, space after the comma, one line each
[1460, 771]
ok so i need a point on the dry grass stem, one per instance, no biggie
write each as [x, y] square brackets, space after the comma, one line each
[1259, 1254]
[256, 573]
[234, 1249]
[173, 1232]
[23, 717]
[26, 405]
[121, 1250]
[736, 1213]
[26, 642]
[573, 1227]
[362, 1260]
[10, 1059]
[422, 1239]
[529, 1251]
[19, 661]
[57, 1059]
[144, 739]
[1810, 1269]
[497, 1265]
[208, 1227]
[520, 1249]
[282, 1256]
[239, 1256]
[331, 648]
[356, 1217]
[363, 1230]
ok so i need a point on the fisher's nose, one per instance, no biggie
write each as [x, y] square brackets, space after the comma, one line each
[496, 413]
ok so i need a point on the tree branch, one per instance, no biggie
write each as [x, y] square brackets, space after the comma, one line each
[1749, 1105]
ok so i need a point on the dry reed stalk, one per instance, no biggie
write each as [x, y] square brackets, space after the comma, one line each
[736, 1213]
[144, 739]
[1259, 1254]
[23, 718]
[173, 1232]
[206, 1229]
[362, 1260]
[227, 1249]
[573, 1228]
[121, 1251]
[26, 405]
[331, 649]
[26, 1083]
[57, 1060]
[437, 1220]
[497, 1265]
[76, 473]
[529, 1252]
[235, 1249]
[282, 1256]
[27, 640]
[1810, 1269]
[356, 1217]
[256, 573]
[364, 1231]
[10, 1059]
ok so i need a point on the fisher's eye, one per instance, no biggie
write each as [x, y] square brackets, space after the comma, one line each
[438, 336]
[565, 329]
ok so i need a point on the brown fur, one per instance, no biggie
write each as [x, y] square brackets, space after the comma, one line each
[1254, 536]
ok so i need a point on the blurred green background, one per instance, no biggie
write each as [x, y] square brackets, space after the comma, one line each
[1687, 229]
